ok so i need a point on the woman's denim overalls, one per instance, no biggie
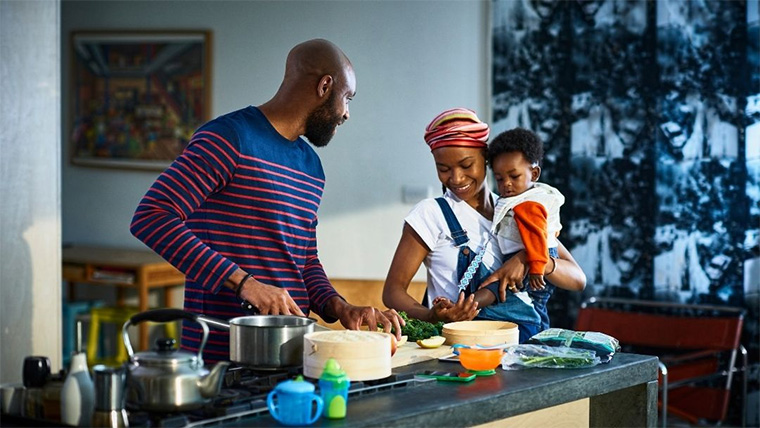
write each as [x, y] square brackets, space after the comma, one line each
[513, 309]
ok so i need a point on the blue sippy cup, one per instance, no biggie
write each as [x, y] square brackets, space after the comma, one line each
[290, 402]
[333, 386]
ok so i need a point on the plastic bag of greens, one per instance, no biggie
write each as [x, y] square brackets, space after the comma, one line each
[541, 356]
[604, 345]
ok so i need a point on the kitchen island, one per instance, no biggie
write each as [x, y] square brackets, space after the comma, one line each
[622, 393]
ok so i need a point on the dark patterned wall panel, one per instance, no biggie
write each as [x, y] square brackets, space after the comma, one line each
[700, 223]
[611, 160]
[530, 61]
[650, 113]
[751, 241]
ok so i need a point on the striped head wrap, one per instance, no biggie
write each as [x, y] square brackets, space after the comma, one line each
[459, 127]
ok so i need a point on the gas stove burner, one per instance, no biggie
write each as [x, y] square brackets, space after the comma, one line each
[244, 375]
[259, 371]
[228, 397]
[156, 419]
[252, 379]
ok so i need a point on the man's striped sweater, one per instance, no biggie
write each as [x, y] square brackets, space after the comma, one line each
[240, 195]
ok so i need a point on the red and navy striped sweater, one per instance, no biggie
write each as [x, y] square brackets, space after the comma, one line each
[240, 195]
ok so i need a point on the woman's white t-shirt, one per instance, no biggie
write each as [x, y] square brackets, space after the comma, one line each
[426, 218]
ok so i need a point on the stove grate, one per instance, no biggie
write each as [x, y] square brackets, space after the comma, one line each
[245, 397]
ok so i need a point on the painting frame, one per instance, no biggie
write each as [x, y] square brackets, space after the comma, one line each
[137, 96]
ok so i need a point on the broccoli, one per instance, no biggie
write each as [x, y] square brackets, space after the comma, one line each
[417, 329]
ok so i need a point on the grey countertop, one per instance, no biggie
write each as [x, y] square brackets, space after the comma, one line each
[505, 394]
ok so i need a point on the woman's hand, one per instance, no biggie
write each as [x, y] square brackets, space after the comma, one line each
[464, 309]
[510, 275]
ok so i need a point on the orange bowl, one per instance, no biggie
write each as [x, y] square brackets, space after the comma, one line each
[480, 359]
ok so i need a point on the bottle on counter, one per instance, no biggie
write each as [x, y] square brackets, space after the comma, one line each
[333, 387]
[110, 386]
[51, 397]
[36, 372]
[78, 392]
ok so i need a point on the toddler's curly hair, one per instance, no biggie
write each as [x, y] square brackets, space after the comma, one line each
[517, 140]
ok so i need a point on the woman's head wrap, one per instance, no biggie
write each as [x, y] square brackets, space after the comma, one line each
[458, 127]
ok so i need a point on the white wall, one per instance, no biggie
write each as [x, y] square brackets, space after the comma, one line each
[30, 150]
[412, 60]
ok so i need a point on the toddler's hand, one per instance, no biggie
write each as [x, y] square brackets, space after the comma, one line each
[536, 282]
[442, 302]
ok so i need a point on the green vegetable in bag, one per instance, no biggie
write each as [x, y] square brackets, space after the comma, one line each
[542, 356]
[604, 345]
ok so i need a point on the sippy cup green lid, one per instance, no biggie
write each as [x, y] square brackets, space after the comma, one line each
[333, 373]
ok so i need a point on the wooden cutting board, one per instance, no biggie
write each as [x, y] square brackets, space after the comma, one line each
[411, 353]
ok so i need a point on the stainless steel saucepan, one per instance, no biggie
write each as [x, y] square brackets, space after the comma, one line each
[264, 342]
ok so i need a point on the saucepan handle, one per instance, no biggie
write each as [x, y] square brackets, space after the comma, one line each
[216, 323]
[249, 308]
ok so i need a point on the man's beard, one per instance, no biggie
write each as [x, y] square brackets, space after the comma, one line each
[321, 123]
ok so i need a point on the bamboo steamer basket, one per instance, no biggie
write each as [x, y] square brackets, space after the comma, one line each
[364, 355]
[485, 333]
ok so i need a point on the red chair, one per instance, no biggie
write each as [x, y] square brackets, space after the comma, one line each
[697, 345]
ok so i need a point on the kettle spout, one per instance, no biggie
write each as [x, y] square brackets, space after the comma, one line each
[210, 385]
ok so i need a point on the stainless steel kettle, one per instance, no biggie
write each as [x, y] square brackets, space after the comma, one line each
[167, 379]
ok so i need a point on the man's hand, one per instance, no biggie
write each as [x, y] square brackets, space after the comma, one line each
[464, 309]
[353, 317]
[268, 299]
[510, 275]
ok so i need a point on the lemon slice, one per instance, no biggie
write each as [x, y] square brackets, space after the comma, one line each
[431, 342]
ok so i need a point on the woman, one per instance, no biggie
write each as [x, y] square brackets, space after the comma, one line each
[458, 142]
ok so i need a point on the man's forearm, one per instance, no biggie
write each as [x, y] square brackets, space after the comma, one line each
[335, 306]
[233, 281]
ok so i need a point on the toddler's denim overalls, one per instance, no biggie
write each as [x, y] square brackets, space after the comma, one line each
[539, 297]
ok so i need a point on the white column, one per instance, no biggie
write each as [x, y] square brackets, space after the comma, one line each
[30, 202]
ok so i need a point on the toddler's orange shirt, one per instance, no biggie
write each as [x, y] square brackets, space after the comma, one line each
[531, 218]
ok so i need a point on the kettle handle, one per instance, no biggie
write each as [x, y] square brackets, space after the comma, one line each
[163, 315]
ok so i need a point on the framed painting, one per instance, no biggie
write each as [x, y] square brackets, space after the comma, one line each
[137, 96]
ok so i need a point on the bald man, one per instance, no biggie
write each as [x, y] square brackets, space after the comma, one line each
[236, 212]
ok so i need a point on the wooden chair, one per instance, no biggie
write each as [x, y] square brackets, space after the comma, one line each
[697, 346]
